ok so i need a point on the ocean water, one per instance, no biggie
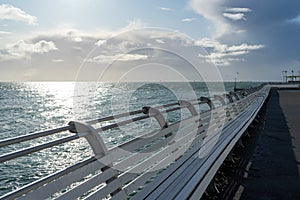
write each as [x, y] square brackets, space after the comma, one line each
[35, 106]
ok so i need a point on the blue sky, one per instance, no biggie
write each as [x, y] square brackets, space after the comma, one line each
[53, 40]
[113, 14]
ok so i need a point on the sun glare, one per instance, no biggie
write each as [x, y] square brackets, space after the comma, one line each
[63, 91]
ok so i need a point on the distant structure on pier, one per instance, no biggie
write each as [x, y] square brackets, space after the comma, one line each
[290, 78]
[293, 79]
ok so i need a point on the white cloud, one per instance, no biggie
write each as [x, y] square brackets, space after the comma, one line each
[23, 50]
[39, 47]
[118, 57]
[77, 39]
[222, 54]
[5, 33]
[160, 41]
[244, 47]
[238, 10]
[75, 35]
[9, 12]
[235, 16]
[216, 12]
[165, 9]
[209, 43]
[131, 57]
[210, 10]
[133, 25]
[100, 42]
[188, 19]
[57, 60]
[295, 20]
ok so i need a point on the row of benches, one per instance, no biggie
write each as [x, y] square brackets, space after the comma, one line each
[174, 161]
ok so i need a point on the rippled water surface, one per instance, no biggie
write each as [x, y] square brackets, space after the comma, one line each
[32, 107]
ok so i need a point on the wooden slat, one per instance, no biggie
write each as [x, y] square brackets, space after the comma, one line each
[89, 184]
[105, 191]
[62, 182]
[38, 183]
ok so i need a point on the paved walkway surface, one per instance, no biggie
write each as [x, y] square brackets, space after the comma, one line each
[274, 168]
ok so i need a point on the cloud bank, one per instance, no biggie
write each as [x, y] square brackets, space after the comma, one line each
[224, 55]
[23, 50]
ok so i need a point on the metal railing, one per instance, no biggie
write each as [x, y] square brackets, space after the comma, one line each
[126, 169]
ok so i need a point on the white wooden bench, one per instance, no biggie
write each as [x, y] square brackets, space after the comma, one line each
[175, 161]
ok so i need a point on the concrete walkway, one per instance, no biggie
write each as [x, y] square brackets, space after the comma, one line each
[274, 168]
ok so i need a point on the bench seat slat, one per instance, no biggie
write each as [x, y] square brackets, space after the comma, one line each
[87, 185]
[63, 182]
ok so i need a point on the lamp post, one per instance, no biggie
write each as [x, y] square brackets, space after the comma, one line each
[235, 79]
[285, 75]
[282, 76]
[292, 75]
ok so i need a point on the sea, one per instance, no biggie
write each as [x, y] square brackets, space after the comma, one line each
[29, 107]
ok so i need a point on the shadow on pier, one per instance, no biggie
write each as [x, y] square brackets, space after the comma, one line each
[269, 165]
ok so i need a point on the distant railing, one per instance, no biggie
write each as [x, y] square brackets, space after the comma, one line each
[126, 170]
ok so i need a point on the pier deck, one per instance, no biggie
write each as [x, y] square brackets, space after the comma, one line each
[275, 165]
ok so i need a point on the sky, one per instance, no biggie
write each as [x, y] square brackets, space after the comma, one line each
[136, 40]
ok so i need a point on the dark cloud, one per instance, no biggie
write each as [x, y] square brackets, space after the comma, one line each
[270, 24]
